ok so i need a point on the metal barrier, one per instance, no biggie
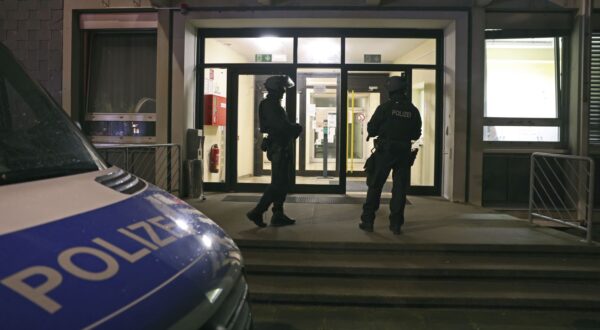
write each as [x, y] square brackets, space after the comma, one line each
[159, 164]
[561, 189]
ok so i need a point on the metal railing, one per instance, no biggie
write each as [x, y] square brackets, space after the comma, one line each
[159, 164]
[561, 189]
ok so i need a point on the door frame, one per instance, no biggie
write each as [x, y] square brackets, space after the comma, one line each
[291, 69]
[301, 83]
[233, 74]
[232, 104]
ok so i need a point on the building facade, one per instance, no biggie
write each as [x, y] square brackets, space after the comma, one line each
[494, 81]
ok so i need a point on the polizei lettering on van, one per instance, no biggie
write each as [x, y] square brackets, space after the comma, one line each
[113, 263]
[143, 232]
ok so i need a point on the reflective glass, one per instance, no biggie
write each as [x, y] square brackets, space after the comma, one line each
[423, 97]
[366, 91]
[252, 163]
[319, 114]
[215, 93]
[319, 50]
[249, 50]
[390, 51]
[521, 133]
[521, 78]
[122, 69]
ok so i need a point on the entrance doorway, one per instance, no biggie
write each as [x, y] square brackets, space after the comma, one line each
[319, 109]
[251, 169]
[366, 91]
[340, 82]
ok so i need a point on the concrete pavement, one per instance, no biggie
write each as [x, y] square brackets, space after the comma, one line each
[456, 266]
[430, 221]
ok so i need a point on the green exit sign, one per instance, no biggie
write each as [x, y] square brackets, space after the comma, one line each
[262, 58]
[372, 58]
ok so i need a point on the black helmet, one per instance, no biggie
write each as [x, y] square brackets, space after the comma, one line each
[397, 83]
[279, 83]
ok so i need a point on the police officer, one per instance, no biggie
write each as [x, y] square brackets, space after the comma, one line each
[395, 123]
[279, 147]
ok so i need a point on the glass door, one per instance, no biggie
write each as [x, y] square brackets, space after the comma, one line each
[423, 93]
[361, 106]
[366, 91]
[250, 164]
[318, 104]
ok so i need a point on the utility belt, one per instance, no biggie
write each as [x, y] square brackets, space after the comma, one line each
[394, 146]
[382, 144]
[270, 142]
[270, 146]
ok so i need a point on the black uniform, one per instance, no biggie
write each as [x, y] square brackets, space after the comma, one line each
[395, 123]
[279, 147]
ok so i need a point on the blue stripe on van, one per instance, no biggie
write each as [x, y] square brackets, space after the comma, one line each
[152, 292]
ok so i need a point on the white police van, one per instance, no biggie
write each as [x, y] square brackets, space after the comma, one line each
[84, 245]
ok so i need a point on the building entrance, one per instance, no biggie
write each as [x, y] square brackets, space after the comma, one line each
[340, 81]
[365, 92]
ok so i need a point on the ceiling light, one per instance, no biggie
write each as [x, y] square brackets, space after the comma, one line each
[268, 43]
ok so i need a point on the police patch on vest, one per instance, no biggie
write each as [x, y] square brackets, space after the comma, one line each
[403, 114]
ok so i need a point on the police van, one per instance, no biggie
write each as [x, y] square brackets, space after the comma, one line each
[86, 245]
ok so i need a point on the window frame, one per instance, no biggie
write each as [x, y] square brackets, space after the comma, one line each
[561, 120]
[85, 115]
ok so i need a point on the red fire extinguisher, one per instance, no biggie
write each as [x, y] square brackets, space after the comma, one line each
[213, 162]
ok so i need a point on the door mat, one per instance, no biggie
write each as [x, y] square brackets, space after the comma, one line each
[361, 186]
[307, 199]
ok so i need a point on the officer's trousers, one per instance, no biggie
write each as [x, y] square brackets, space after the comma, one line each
[384, 163]
[281, 178]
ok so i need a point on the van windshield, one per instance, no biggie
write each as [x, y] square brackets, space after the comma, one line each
[37, 139]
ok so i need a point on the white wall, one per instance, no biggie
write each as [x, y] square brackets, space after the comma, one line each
[216, 49]
[245, 157]
[422, 54]
[422, 173]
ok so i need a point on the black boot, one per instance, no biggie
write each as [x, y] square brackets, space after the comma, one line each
[396, 228]
[279, 219]
[366, 226]
[366, 223]
[256, 217]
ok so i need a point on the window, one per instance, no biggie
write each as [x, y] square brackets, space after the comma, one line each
[121, 86]
[265, 49]
[390, 51]
[319, 50]
[522, 95]
[122, 73]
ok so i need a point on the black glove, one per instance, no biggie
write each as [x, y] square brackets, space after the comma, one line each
[265, 144]
[413, 156]
[297, 130]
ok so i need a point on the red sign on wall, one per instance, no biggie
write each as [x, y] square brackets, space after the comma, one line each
[215, 110]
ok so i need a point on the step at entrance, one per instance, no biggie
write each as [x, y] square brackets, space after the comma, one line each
[421, 264]
[306, 199]
[368, 291]
[544, 277]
